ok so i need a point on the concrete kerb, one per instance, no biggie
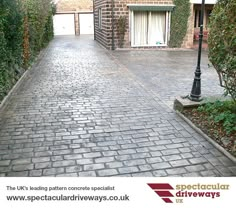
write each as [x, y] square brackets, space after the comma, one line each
[216, 145]
[25, 75]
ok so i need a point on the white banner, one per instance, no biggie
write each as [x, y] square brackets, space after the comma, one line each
[117, 192]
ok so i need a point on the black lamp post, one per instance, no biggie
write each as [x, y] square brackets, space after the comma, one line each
[196, 88]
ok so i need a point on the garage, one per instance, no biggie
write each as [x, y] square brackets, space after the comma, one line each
[64, 24]
[86, 24]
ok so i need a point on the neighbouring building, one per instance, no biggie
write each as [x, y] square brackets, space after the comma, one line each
[73, 17]
[148, 23]
[192, 36]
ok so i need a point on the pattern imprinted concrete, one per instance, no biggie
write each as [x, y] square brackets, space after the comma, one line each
[83, 113]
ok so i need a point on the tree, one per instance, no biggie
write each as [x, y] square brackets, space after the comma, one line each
[222, 44]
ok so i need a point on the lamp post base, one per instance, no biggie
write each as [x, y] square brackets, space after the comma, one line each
[195, 99]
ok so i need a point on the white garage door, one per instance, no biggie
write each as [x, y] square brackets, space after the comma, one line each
[86, 24]
[64, 24]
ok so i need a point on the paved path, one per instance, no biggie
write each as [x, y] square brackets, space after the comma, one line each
[169, 74]
[83, 113]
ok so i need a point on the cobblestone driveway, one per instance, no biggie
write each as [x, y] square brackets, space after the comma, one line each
[82, 113]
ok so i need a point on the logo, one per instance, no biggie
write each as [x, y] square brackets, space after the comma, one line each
[163, 191]
[169, 194]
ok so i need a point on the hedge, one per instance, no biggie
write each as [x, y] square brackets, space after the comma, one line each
[222, 44]
[179, 22]
[26, 27]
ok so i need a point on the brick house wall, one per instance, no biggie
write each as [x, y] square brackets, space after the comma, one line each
[75, 7]
[104, 34]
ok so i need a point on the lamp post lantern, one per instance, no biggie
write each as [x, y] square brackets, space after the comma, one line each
[195, 94]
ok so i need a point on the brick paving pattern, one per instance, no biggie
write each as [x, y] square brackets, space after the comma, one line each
[83, 113]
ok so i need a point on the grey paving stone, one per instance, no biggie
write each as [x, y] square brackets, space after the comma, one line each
[176, 171]
[159, 173]
[198, 160]
[92, 155]
[156, 154]
[126, 151]
[107, 172]
[22, 167]
[5, 162]
[233, 169]
[73, 169]
[162, 165]
[126, 170]
[192, 175]
[40, 159]
[63, 163]
[143, 174]
[18, 174]
[178, 163]
[171, 157]
[72, 157]
[52, 171]
[145, 167]
[111, 165]
[67, 175]
[208, 173]
[170, 152]
[154, 160]
[21, 161]
[87, 174]
[36, 173]
[123, 157]
[135, 162]
[84, 161]
[186, 155]
[195, 168]
[93, 167]
[43, 165]
[109, 153]
[104, 159]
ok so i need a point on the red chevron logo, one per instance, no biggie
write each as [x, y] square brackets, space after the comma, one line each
[162, 190]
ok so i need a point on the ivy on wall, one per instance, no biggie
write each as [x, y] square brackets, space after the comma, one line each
[26, 26]
[179, 22]
[121, 29]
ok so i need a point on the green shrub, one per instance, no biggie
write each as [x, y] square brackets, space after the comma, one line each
[222, 44]
[26, 26]
[10, 43]
[179, 22]
[221, 112]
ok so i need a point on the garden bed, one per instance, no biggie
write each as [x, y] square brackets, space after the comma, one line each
[218, 121]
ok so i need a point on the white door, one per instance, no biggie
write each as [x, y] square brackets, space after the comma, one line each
[64, 24]
[86, 24]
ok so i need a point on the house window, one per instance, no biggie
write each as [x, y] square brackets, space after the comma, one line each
[149, 28]
[100, 18]
[197, 18]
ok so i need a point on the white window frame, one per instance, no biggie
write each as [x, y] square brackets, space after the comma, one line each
[167, 30]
